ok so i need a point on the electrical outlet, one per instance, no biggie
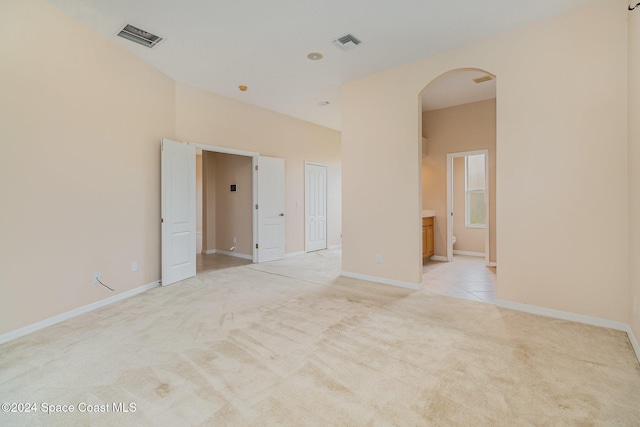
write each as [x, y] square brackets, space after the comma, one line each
[134, 266]
[378, 259]
[96, 277]
[235, 240]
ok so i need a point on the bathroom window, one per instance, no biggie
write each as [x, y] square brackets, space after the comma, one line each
[475, 187]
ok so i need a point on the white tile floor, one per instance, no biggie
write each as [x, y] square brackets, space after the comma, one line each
[466, 277]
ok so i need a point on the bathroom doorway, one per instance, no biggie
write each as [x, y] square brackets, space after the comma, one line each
[468, 213]
[459, 115]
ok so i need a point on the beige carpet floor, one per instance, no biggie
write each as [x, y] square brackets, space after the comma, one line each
[292, 344]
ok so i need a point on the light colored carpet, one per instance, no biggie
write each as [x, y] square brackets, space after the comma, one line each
[257, 346]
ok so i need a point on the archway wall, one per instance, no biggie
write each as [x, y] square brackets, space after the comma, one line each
[561, 162]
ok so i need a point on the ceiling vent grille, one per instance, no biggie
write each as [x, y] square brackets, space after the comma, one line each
[347, 42]
[483, 79]
[139, 36]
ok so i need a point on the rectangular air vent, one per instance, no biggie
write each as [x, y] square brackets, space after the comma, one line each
[483, 79]
[347, 42]
[139, 36]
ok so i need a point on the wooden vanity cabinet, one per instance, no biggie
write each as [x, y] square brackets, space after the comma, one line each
[427, 238]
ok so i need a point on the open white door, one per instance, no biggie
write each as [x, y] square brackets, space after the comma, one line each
[315, 206]
[270, 208]
[178, 199]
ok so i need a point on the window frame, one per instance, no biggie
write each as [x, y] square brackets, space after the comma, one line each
[469, 191]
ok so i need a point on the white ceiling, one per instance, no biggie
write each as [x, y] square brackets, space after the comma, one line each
[218, 45]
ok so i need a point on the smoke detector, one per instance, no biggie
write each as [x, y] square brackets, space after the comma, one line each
[139, 36]
[347, 42]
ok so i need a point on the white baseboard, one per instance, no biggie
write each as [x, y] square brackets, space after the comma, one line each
[634, 342]
[333, 247]
[580, 318]
[234, 254]
[438, 258]
[493, 264]
[9, 336]
[414, 286]
[469, 253]
[564, 315]
[209, 252]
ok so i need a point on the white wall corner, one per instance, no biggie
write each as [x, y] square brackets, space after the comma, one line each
[9, 336]
[375, 279]
[634, 342]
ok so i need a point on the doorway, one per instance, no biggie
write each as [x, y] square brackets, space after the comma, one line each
[468, 214]
[226, 217]
[178, 207]
[459, 115]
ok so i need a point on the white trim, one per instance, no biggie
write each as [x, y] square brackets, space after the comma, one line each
[9, 336]
[225, 150]
[209, 252]
[333, 247]
[493, 264]
[439, 258]
[294, 254]
[254, 178]
[564, 315]
[413, 286]
[233, 254]
[469, 253]
[634, 342]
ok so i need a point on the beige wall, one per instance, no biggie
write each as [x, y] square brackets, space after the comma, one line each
[467, 239]
[81, 122]
[234, 213]
[561, 118]
[457, 129]
[207, 118]
[634, 168]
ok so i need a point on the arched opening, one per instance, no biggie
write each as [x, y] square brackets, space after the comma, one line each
[458, 184]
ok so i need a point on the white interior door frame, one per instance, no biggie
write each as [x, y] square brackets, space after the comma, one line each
[254, 162]
[450, 157]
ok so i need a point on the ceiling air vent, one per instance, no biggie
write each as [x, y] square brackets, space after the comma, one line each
[139, 36]
[347, 42]
[483, 79]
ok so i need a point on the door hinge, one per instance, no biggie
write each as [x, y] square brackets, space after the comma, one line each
[256, 206]
[161, 220]
[256, 246]
[256, 167]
